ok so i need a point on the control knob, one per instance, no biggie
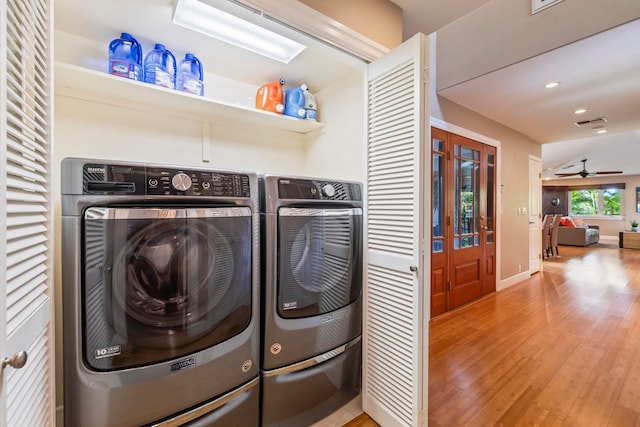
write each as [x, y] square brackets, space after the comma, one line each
[328, 190]
[181, 181]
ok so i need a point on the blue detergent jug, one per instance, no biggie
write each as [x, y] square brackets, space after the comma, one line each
[294, 101]
[160, 67]
[125, 57]
[310, 106]
[189, 75]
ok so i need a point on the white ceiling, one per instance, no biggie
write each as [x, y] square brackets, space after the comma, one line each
[600, 73]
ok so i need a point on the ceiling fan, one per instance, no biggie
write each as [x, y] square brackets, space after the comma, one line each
[585, 173]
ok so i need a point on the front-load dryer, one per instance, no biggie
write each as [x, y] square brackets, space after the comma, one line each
[312, 297]
[160, 285]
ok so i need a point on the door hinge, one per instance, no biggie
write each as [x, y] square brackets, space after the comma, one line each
[449, 155]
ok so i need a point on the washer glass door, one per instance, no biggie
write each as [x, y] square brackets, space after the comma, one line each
[319, 260]
[161, 283]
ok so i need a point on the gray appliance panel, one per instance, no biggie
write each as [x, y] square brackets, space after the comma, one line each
[138, 396]
[287, 341]
[303, 396]
[239, 408]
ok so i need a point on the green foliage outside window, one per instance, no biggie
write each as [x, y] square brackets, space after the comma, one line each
[595, 202]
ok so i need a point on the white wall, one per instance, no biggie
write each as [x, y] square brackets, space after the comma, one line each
[340, 151]
[503, 32]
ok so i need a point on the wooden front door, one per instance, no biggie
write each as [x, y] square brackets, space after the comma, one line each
[463, 218]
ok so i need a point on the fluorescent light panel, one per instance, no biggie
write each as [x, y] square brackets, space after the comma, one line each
[228, 28]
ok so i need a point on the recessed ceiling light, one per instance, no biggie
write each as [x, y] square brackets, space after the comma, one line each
[601, 131]
[552, 85]
[580, 111]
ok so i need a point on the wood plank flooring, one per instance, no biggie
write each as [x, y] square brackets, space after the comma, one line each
[559, 349]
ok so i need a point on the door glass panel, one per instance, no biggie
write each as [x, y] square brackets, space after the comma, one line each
[456, 202]
[466, 196]
[319, 260]
[438, 195]
[490, 196]
[467, 153]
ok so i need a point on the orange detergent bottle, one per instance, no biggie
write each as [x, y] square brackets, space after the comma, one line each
[269, 97]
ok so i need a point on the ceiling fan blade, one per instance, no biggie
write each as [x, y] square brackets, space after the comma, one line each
[605, 172]
[568, 174]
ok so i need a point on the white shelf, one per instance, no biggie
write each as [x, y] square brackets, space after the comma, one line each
[83, 83]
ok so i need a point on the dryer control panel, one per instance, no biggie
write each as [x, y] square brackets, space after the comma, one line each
[308, 189]
[162, 181]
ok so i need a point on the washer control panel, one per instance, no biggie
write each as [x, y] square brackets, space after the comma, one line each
[162, 181]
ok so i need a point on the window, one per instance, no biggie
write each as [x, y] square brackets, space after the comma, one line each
[595, 201]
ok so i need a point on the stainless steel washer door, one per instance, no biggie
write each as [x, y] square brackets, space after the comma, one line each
[161, 283]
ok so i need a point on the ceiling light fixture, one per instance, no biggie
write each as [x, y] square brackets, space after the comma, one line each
[552, 85]
[580, 111]
[205, 19]
[601, 131]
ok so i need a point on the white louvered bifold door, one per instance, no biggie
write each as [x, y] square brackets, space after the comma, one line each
[26, 259]
[397, 286]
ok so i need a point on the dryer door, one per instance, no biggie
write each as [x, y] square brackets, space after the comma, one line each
[163, 283]
[320, 260]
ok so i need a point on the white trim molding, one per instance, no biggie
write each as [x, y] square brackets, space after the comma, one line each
[305, 19]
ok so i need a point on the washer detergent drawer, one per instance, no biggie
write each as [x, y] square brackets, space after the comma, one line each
[302, 394]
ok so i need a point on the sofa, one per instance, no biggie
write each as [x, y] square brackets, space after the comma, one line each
[579, 235]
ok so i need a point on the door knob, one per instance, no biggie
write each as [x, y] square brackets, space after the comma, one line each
[413, 268]
[17, 361]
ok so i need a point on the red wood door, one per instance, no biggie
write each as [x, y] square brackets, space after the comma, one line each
[463, 218]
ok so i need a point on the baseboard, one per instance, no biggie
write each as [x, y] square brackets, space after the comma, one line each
[609, 238]
[510, 281]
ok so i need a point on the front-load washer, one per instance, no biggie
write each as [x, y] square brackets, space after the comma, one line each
[160, 285]
[312, 297]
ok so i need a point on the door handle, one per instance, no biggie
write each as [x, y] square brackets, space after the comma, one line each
[413, 268]
[17, 361]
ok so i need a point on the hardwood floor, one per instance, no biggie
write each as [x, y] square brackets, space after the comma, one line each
[559, 349]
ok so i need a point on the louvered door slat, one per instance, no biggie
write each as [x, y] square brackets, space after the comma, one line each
[14, 221]
[29, 35]
[26, 285]
[26, 114]
[21, 155]
[29, 80]
[16, 65]
[41, 104]
[35, 276]
[395, 362]
[28, 386]
[28, 236]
